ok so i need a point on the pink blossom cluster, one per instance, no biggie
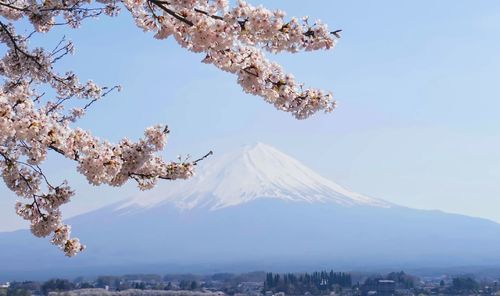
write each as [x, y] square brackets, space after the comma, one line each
[27, 133]
[33, 123]
[234, 39]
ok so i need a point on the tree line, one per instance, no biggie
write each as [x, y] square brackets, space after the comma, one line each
[315, 282]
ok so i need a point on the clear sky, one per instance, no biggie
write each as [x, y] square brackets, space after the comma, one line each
[417, 83]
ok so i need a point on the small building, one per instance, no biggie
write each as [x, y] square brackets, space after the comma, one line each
[386, 288]
[379, 287]
[5, 285]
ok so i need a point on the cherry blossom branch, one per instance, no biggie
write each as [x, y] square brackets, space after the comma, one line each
[229, 37]
[203, 157]
[176, 15]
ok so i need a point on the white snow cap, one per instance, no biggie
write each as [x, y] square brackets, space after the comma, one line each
[251, 173]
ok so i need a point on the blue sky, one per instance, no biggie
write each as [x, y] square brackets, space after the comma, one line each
[417, 122]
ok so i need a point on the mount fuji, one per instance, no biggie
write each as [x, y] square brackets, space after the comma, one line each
[255, 209]
[250, 174]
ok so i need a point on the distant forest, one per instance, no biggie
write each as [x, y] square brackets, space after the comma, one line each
[315, 282]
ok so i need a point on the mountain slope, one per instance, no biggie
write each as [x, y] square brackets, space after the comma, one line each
[255, 209]
[254, 172]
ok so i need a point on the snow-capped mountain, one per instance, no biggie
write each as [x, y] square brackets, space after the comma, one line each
[248, 174]
[254, 209]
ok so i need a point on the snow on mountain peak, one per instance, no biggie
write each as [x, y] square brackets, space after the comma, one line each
[253, 172]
